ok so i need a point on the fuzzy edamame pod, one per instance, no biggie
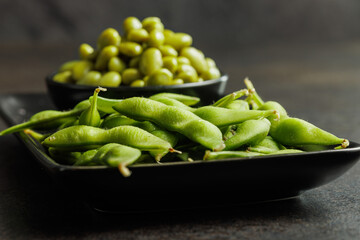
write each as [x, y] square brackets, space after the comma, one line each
[91, 115]
[173, 119]
[250, 132]
[268, 145]
[185, 99]
[224, 117]
[172, 102]
[49, 118]
[209, 155]
[296, 132]
[80, 138]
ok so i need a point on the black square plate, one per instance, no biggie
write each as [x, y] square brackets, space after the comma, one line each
[183, 185]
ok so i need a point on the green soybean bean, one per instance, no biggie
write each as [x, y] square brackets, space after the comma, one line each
[138, 35]
[197, 59]
[152, 23]
[183, 60]
[224, 117]
[160, 77]
[130, 74]
[156, 38]
[91, 78]
[80, 69]
[211, 73]
[86, 52]
[83, 137]
[110, 79]
[134, 62]
[131, 23]
[210, 62]
[104, 57]
[170, 62]
[138, 83]
[172, 119]
[116, 64]
[109, 36]
[63, 77]
[130, 49]
[68, 66]
[167, 50]
[178, 40]
[150, 61]
[185, 99]
[187, 73]
[250, 132]
[177, 81]
[229, 154]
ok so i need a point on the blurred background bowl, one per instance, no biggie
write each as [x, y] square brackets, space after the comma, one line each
[66, 95]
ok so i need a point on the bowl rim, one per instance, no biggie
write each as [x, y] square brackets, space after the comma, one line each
[223, 78]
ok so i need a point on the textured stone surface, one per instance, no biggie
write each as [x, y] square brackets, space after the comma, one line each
[312, 75]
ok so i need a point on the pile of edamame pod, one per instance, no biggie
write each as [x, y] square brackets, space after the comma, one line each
[168, 127]
[146, 54]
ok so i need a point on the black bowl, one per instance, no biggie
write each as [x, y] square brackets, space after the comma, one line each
[66, 96]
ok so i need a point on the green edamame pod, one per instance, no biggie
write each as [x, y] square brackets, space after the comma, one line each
[64, 157]
[117, 155]
[229, 154]
[51, 118]
[81, 137]
[91, 115]
[268, 145]
[224, 117]
[105, 105]
[297, 132]
[172, 102]
[172, 119]
[116, 119]
[238, 105]
[250, 132]
[185, 99]
[228, 99]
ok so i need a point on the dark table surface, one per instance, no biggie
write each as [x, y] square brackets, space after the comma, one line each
[319, 83]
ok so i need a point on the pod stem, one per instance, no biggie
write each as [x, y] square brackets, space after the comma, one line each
[252, 92]
[345, 143]
[124, 170]
[230, 98]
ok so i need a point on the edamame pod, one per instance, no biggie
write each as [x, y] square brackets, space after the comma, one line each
[185, 99]
[250, 132]
[81, 137]
[172, 119]
[224, 117]
[229, 154]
